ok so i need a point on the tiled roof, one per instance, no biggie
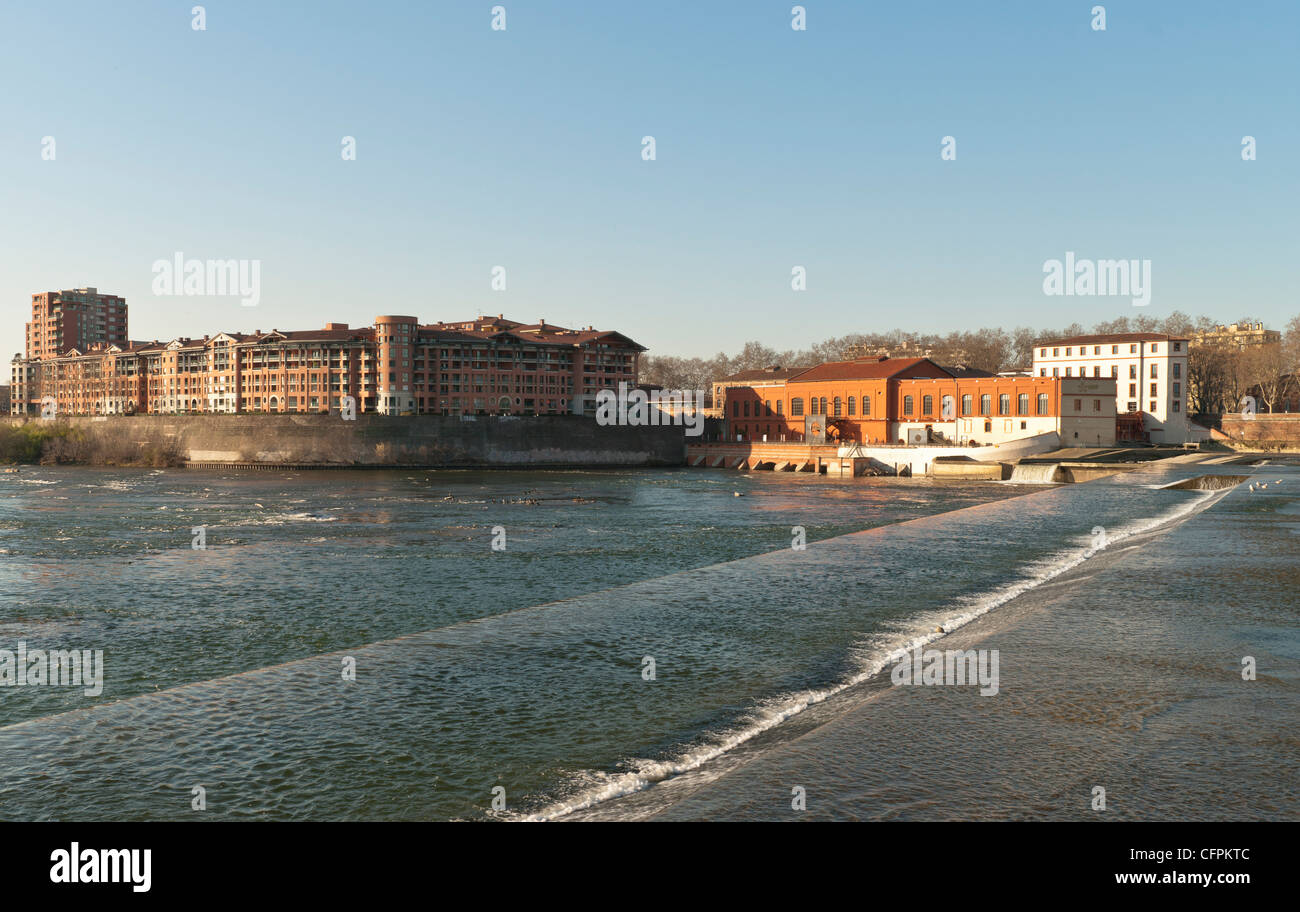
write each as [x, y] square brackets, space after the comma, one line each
[764, 373]
[867, 369]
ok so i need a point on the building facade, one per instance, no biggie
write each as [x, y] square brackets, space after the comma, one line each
[1237, 335]
[1149, 370]
[75, 318]
[915, 401]
[398, 366]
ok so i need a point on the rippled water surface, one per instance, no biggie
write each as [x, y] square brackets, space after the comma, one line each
[522, 670]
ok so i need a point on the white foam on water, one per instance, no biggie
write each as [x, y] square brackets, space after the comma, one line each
[872, 663]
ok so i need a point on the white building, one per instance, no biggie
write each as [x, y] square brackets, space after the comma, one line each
[1149, 369]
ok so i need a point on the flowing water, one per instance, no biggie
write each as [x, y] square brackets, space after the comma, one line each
[640, 633]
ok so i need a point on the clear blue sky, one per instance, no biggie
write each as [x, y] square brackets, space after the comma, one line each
[775, 148]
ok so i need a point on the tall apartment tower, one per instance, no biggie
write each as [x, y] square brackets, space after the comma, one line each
[75, 318]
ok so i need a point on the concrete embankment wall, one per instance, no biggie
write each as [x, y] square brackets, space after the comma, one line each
[376, 440]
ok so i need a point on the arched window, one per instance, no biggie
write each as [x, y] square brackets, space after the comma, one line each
[1022, 405]
[746, 409]
[796, 407]
[907, 405]
[1042, 403]
[927, 405]
[866, 405]
[986, 404]
[823, 406]
[767, 406]
[839, 407]
[966, 404]
[853, 410]
[1004, 404]
[780, 406]
[948, 413]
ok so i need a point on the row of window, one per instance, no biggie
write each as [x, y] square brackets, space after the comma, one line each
[1114, 371]
[1114, 349]
[837, 406]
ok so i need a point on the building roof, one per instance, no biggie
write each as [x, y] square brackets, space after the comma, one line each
[775, 372]
[1114, 337]
[962, 372]
[865, 369]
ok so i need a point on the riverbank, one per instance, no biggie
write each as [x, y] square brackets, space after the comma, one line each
[427, 441]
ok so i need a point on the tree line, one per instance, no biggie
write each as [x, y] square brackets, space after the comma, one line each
[1219, 375]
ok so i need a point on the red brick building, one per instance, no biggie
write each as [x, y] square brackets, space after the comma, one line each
[914, 400]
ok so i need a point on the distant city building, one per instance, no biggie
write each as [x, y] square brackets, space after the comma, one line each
[1149, 370]
[76, 318]
[477, 367]
[1237, 335]
[4, 400]
[914, 400]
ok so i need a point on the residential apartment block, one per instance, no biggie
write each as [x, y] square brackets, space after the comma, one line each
[1149, 370]
[398, 366]
[76, 318]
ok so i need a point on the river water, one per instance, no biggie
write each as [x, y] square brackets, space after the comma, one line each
[633, 644]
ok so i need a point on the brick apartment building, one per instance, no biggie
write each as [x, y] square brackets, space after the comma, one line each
[914, 400]
[398, 366]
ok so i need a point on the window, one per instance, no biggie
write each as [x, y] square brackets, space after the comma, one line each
[1132, 389]
[746, 409]
[812, 406]
[1096, 370]
[796, 407]
[1178, 346]
[1132, 406]
[1067, 372]
[1042, 353]
[986, 404]
[1114, 371]
[1096, 349]
[780, 406]
[1152, 410]
[1096, 405]
[735, 410]
[1042, 403]
[1154, 348]
[1067, 351]
[1055, 352]
[1177, 406]
[1178, 369]
[1004, 404]
[1022, 404]
[1078, 405]
[907, 405]
[1178, 389]
[866, 405]
[1132, 349]
[823, 406]
[853, 405]
[1153, 390]
[965, 404]
[1132, 371]
[1042, 372]
[947, 408]
[927, 405]
[1154, 372]
[1114, 349]
[839, 406]
[988, 427]
[767, 407]
[1056, 372]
